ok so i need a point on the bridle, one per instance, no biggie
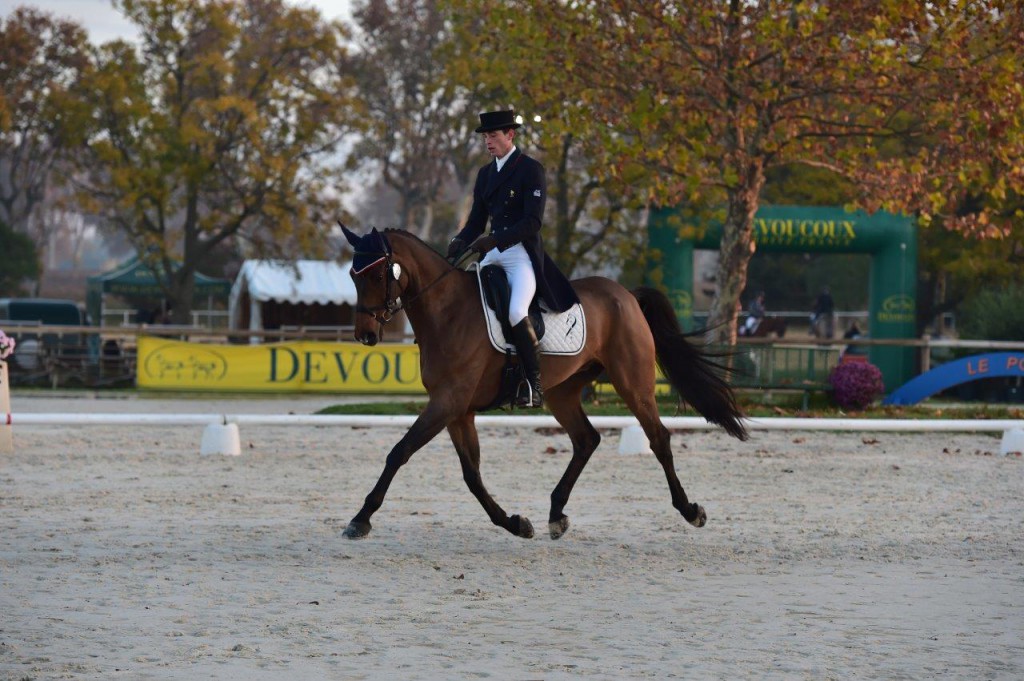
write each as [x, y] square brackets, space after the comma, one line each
[392, 304]
[392, 272]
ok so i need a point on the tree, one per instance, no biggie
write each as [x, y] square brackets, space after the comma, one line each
[219, 126]
[792, 281]
[956, 268]
[995, 314]
[593, 222]
[421, 122]
[42, 113]
[702, 98]
[18, 260]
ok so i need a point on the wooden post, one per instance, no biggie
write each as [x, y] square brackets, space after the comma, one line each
[6, 435]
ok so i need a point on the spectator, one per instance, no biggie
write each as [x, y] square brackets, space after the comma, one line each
[823, 317]
[853, 332]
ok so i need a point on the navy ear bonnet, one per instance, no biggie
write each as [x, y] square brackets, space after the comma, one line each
[373, 248]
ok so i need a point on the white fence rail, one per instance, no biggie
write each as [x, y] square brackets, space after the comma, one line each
[610, 422]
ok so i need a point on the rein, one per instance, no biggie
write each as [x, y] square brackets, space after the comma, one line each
[455, 267]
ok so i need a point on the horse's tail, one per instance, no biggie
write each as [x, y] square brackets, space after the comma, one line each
[691, 370]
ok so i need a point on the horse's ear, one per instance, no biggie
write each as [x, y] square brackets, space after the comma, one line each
[379, 240]
[353, 240]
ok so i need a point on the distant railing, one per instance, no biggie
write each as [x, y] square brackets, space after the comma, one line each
[211, 319]
[797, 317]
[199, 334]
[79, 349]
[804, 367]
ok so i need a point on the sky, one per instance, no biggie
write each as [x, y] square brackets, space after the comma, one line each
[104, 23]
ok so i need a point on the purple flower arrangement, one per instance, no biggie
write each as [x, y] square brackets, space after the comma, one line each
[6, 346]
[855, 385]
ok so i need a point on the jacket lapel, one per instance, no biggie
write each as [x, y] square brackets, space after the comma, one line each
[496, 179]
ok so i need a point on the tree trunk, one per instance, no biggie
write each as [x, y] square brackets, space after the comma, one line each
[427, 222]
[181, 297]
[405, 217]
[183, 280]
[563, 230]
[465, 205]
[736, 249]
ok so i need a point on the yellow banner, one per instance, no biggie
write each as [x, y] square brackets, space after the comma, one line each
[279, 367]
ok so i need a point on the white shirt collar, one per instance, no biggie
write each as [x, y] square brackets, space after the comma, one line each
[501, 161]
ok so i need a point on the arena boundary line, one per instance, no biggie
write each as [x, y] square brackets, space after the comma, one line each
[366, 421]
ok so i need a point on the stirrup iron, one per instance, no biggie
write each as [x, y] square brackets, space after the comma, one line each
[527, 397]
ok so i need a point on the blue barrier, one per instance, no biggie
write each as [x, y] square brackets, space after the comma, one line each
[954, 373]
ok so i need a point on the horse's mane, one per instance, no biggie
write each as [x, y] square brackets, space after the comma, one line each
[404, 233]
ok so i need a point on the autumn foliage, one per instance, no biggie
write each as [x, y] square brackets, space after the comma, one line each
[919, 105]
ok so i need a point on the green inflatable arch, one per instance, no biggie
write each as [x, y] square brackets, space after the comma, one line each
[891, 240]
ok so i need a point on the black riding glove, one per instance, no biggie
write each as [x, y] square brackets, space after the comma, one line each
[455, 248]
[483, 244]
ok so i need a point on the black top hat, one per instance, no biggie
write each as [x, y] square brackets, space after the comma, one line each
[497, 120]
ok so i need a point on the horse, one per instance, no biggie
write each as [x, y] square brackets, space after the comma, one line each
[770, 325]
[822, 326]
[461, 371]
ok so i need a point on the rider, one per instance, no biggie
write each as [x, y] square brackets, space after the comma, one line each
[755, 313]
[510, 193]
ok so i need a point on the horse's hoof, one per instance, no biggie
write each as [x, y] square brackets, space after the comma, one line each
[558, 528]
[524, 528]
[701, 519]
[357, 530]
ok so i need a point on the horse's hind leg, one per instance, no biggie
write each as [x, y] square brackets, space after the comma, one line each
[467, 445]
[638, 393]
[564, 403]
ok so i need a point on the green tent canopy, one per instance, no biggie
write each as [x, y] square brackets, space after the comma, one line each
[135, 279]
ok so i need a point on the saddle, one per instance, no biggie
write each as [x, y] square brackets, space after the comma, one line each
[498, 295]
[559, 333]
[562, 333]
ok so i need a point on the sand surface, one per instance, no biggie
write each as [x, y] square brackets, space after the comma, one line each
[125, 554]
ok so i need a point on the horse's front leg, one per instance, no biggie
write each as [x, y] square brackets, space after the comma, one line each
[467, 445]
[427, 426]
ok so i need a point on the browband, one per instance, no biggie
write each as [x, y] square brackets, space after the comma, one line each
[372, 264]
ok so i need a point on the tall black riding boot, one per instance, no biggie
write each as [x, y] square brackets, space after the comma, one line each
[525, 340]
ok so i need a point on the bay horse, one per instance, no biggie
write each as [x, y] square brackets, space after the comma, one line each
[770, 325]
[626, 334]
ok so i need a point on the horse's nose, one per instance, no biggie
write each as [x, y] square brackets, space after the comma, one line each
[368, 338]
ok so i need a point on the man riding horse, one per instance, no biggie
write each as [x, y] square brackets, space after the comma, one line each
[510, 192]
[755, 313]
[629, 332]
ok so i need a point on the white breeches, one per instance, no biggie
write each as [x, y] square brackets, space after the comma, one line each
[521, 279]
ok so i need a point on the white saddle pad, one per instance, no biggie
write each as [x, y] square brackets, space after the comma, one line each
[565, 333]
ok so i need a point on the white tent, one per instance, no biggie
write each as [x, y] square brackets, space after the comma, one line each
[302, 283]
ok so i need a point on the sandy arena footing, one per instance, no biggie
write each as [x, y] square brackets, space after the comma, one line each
[126, 554]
